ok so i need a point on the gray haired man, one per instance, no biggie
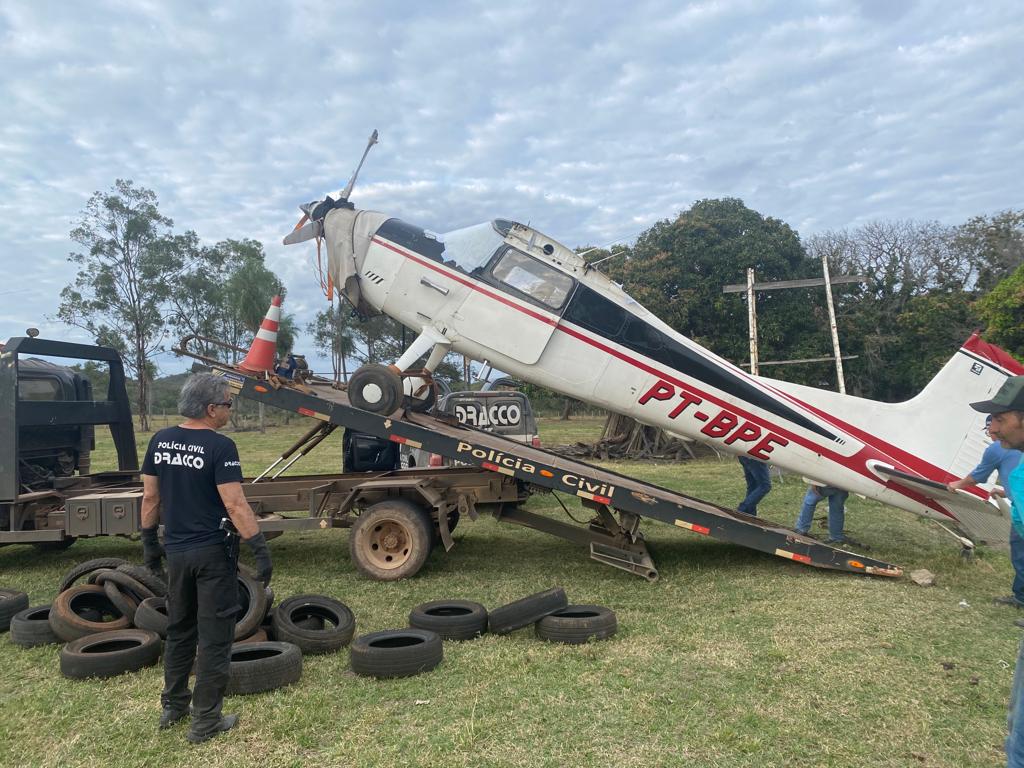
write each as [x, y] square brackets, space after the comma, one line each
[192, 480]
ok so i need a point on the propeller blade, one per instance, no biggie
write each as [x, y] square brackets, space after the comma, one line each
[307, 231]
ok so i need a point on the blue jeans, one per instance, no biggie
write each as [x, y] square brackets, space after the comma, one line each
[1015, 720]
[1017, 559]
[836, 510]
[759, 482]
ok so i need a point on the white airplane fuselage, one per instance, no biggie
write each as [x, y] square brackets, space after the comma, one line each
[532, 308]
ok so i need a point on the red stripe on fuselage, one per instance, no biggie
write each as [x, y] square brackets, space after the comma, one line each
[857, 463]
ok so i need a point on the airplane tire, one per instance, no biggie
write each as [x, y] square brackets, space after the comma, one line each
[527, 610]
[376, 388]
[451, 619]
[576, 624]
[391, 540]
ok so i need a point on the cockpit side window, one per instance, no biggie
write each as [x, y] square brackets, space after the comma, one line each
[532, 278]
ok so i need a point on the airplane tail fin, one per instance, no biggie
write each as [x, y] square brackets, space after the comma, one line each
[938, 426]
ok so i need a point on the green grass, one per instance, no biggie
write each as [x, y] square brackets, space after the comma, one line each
[733, 658]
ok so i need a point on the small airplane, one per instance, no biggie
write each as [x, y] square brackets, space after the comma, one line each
[506, 294]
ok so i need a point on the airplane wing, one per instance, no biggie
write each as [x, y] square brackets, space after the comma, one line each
[984, 521]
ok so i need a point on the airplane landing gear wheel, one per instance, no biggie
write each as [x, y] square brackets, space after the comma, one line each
[391, 540]
[375, 388]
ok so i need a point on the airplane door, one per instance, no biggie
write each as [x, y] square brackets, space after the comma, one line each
[517, 311]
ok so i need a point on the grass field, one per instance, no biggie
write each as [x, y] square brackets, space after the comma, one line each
[733, 658]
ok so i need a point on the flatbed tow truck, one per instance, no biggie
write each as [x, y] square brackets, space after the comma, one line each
[397, 517]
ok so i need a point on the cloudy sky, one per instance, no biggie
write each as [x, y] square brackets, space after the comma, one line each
[590, 120]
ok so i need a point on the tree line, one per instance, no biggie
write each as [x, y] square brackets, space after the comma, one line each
[927, 287]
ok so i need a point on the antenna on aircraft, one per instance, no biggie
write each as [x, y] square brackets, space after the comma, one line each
[351, 182]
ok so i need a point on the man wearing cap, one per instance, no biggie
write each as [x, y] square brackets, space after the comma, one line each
[1007, 426]
[1003, 461]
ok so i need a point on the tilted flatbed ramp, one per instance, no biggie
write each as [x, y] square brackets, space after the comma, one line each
[599, 488]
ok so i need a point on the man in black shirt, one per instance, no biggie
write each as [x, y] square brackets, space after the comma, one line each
[192, 480]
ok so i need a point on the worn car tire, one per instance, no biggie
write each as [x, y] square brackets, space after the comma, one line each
[253, 598]
[146, 577]
[84, 569]
[258, 667]
[259, 636]
[396, 653]
[376, 388]
[390, 540]
[128, 585]
[578, 624]
[337, 623]
[152, 615]
[110, 653]
[12, 601]
[125, 602]
[31, 627]
[68, 625]
[451, 619]
[527, 610]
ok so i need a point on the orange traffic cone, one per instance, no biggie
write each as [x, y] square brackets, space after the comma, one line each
[262, 353]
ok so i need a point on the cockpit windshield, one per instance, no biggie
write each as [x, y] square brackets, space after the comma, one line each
[471, 247]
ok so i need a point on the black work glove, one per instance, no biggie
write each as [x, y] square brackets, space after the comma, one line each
[152, 552]
[264, 568]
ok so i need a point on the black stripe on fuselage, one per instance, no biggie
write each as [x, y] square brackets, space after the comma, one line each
[607, 319]
[600, 315]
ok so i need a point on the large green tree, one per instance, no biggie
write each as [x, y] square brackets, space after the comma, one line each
[333, 336]
[131, 260]
[1003, 313]
[678, 268]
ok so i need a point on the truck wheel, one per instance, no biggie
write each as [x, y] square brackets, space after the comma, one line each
[391, 540]
[257, 667]
[396, 653]
[451, 619]
[528, 610]
[578, 624]
[31, 627]
[68, 625]
[110, 653]
[337, 624]
[152, 615]
[375, 388]
[84, 569]
[11, 602]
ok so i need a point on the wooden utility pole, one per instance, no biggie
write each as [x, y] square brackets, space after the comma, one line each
[827, 281]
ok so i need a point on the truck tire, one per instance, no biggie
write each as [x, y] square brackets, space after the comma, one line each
[577, 624]
[390, 540]
[376, 388]
[146, 577]
[31, 627]
[527, 610]
[451, 619]
[125, 602]
[110, 653]
[253, 600]
[152, 615]
[396, 653]
[84, 569]
[68, 625]
[258, 667]
[12, 602]
[337, 624]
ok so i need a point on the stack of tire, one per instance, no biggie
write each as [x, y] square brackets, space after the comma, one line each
[303, 624]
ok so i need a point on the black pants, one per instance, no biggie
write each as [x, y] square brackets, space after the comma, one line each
[202, 605]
